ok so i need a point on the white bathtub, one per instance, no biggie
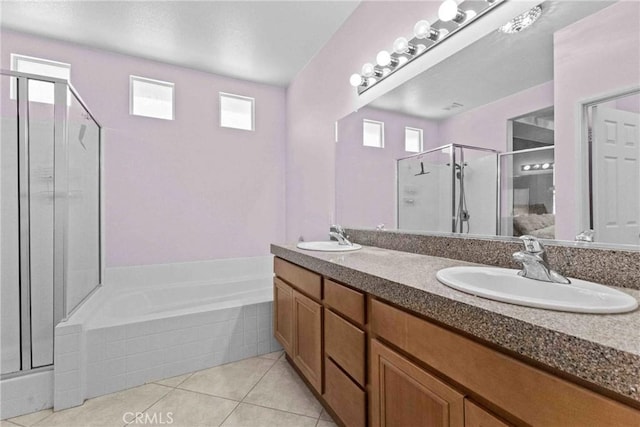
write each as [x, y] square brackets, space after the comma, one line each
[121, 305]
[134, 331]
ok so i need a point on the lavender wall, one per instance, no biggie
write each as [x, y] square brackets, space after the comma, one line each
[320, 94]
[366, 176]
[587, 67]
[181, 190]
[486, 126]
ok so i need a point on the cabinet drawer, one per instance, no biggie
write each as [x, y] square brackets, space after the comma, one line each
[475, 416]
[346, 301]
[345, 344]
[344, 396]
[530, 394]
[306, 281]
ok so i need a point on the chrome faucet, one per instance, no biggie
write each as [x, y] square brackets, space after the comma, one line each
[336, 232]
[534, 262]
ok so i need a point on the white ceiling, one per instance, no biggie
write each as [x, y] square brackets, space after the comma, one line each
[494, 67]
[262, 41]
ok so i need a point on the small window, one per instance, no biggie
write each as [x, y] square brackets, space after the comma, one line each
[413, 140]
[39, 91]
[237, 112]
[151, 98]
[372, 133]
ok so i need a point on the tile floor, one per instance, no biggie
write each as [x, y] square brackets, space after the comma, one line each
[261, 391]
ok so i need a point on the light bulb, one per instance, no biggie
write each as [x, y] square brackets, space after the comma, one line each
[448, 10]
[383, 58]
[368, 70]
[401, 45]
[422, 29]
[356, 80]
[526, 167]
[545, 166]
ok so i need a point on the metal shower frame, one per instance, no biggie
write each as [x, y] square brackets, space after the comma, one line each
[60, 213]
[452, 160]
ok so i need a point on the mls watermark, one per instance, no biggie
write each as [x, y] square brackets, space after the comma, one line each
[155, 418]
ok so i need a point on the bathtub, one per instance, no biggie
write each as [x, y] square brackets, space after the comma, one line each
[146, 325]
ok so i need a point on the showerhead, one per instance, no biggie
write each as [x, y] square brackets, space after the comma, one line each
[459, 169]
[422, 172]
[457, 165]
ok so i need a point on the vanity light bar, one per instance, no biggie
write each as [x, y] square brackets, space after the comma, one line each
[452, 19]
[535, 167]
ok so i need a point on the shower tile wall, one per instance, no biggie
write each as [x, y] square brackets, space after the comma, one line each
[120, 357]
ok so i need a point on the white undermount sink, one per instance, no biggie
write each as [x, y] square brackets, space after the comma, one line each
[502, 284]
[330, 246]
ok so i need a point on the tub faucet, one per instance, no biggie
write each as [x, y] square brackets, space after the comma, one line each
[336, 232]
[534, 262]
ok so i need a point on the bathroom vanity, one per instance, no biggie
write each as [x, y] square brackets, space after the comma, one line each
[382, 343]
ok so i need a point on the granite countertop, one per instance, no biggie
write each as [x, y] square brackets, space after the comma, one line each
[603, 350]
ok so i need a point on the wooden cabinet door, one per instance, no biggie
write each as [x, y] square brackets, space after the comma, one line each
[283, 314]
[475, 416]
[307, 338]
[403, 394]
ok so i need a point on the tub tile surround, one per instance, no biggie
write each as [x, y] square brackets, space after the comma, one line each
[122, 357]
[94, 357]
[613, 267]
[210, 407]
[601, 351]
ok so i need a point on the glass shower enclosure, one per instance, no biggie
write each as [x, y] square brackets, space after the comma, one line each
[50, 248]
[451, 188]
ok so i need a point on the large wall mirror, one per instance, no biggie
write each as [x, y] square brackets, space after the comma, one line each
[534, 132]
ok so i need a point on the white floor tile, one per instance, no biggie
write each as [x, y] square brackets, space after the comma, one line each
[173, 381]
[30, 419]
[231, 381]
[182, 408]
[281, 388]
[109, 410]
[247, 415]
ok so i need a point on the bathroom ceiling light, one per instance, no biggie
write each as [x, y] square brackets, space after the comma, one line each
[406, 50]
[522, 21]
[536, 166]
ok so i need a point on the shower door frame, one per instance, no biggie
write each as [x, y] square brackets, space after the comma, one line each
[452, 160]
[60, 214]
